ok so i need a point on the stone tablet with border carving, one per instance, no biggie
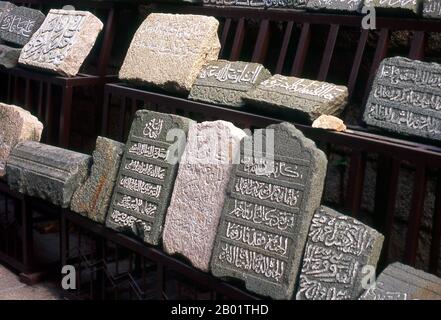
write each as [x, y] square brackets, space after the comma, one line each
[282, 4]
[16, 125]
[199, 194]
[338, 249]
[19, 24]
[302, 99]
[266, 216]
[412, 7]
[402, 282]
[63, 42]
[46, 172]
[146, 176]
[432, 9]
[169, 50]
[224, 82]
[406, 98]
[353, 6]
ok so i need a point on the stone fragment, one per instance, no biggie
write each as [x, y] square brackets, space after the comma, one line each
[282, 4]
[46, 172]
[329, 123]
[5, 7]
[270, 202]
[16, 125]
[92, 198]
[147, 175]
[402, 282]
[9, 56]
[303, 99]
[224, 82]
[352, 6]
[406, 98]
[412, 7]
[338, 249]
[19, 24]
[432, 9]
[169, 50]
[63, 42]
[199, 194]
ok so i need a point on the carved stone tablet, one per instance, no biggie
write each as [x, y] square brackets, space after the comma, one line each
[224, 82]
[169, 50]
[63, 42]
[354, 6]
[291, 4]
[19, 24]
[46, 172]
[406, 98]
[338, 249]
[432, 9]
[401, 282]
[146, 176]
[396, 6]
[301, 98]
[5, 7]
[199, 194]
[92, 199]
[266, 216]
[9, 56]
[16, 125]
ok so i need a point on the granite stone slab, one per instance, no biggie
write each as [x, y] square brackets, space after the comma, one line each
[288, 4]
[352, 6]
[402, 282]
[19, 24]
[406, 98]
[199, 194]
[412, 7]
[9, 56]
[46, 172]
[146, 176]
[92, 198]
[63, 42]
[224, 82]
[338, 249]
[270, 202]
[432, 9]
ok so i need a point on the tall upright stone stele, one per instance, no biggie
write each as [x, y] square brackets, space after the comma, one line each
[339, 253]
[169, 50]
[46, 172]
[402, 282]
[406, 98]
[147, 175]
[63, 42]
[195, 208]
[92, 198]
[432, 9]
[16, 125]
[271, 198]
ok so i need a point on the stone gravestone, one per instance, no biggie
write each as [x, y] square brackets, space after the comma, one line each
[432, 9]
[406, 98]
[353, 6]
[46, 172]
[195, 208]
[146, 176]
[9, 56]
[224, 82]
[289, 4]
[412, 7]
[16, 125]
[93, 197]
[19, 24]
[338, 249]
[401, 282]
[266, 216]
[169, 50]
[63, 42]
[303, 99]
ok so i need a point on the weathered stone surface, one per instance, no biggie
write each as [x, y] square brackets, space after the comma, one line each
[301, 98]
[16, 125]
[169, 50]
[401, 282]
[19, 24]
[291, 4]
[195, 208]
[92, 198]
[146, 176]
[432, 9]
[9, 56]
[406, 98]
[46, 172]
[265, 220]
[329, 123]
[224, 82]
[401, 6]
[5, 7]
[338, 249]
[63, 42]
[354, 6]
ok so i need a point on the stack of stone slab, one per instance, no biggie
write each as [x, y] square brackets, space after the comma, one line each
[396, 7]
[432, 9]
[350, 6]
[284, 4]
[17, 25]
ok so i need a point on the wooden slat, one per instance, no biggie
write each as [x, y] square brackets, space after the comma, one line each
[302, 50]
[261, 47]
[417, 45]
[436, 230]
[355, 184]
[224, 36]
[238, 40]
[329, 50]
[284, 49]
[357, 61]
